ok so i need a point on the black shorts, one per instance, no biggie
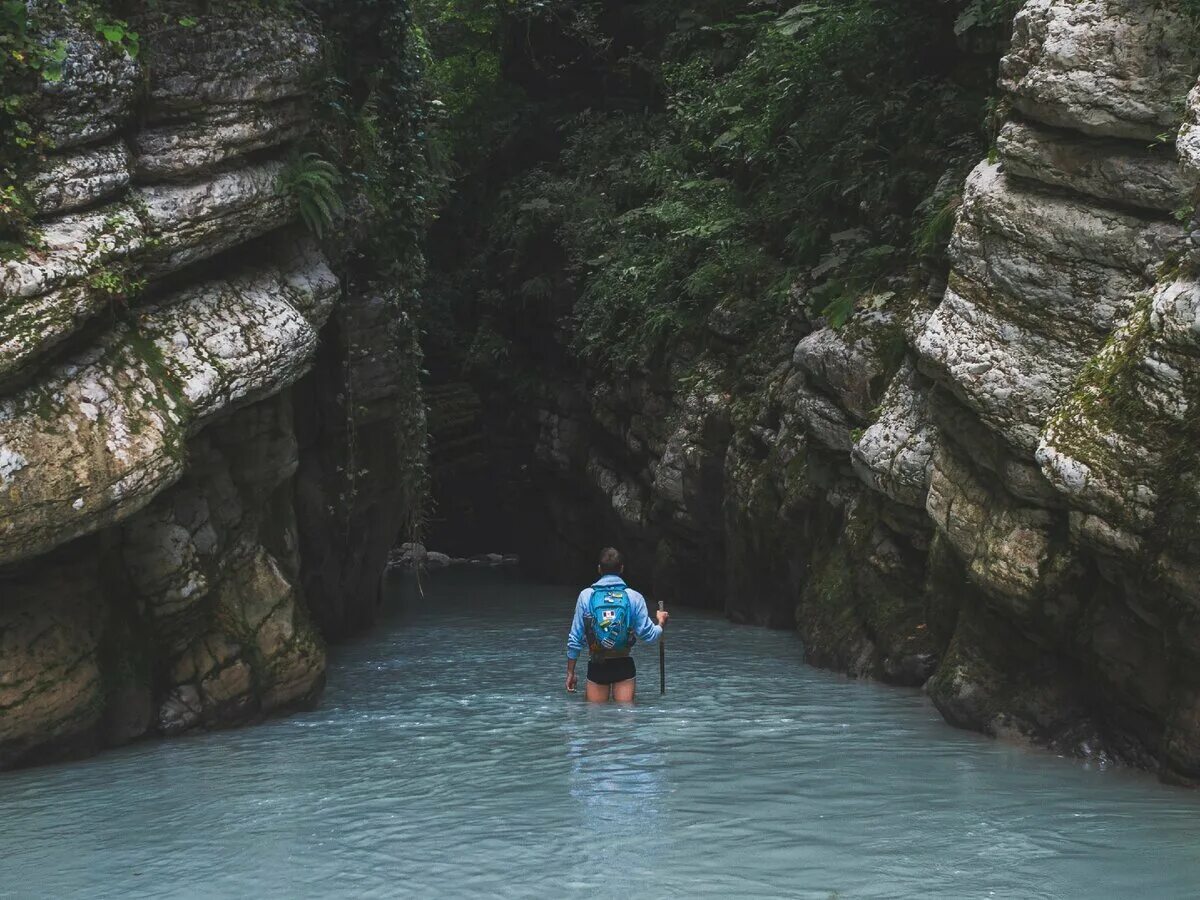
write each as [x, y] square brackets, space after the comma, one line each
[610, 671]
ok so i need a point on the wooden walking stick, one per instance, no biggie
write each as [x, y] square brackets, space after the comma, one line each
[662, 659]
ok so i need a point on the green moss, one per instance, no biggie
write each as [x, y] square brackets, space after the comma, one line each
[1190, 8]
[831, 611]
[306, 642]
[1178, 517]
[168, 398]
[1104, 399]
[834, 614]
[848, 602]
[27, 59]
[117, 285]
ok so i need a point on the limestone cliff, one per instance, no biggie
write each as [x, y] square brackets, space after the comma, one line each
[989, 487]
[159, 568]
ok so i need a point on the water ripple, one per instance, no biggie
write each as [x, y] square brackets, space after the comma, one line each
[447, 761]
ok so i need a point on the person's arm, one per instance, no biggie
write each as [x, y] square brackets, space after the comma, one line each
[575, 643]
[643, 626]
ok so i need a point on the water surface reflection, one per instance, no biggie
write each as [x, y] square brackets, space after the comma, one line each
[446, 760]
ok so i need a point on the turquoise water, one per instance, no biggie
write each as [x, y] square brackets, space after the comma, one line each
[446, 760]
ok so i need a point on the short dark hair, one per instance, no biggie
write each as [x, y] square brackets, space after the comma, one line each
[611, 561]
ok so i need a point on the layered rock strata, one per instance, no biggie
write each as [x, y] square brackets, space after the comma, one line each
[991, 490]
[154, 348]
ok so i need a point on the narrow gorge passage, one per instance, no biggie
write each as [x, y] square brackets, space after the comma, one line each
[875, 323]
[446, 759]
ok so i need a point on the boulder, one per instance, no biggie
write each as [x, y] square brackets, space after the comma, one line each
[1107, 68]
[435, 560]
[854, 363]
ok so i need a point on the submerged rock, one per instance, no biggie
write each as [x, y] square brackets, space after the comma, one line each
[412, 556]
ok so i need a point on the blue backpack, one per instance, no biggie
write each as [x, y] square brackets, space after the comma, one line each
[608, 619]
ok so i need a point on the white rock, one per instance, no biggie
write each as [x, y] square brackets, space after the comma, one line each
[895, 455]
[1103, 67]
[81, 178]
[1111, 171]
[151, 395]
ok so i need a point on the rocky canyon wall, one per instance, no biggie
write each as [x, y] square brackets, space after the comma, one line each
[174, 504]
[987, 485]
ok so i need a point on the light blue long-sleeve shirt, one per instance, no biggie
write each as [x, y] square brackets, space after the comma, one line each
[641, 624]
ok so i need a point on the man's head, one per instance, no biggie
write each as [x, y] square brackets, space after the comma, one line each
[611, 562]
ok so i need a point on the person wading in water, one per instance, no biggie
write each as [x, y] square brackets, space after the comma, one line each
[610, 617]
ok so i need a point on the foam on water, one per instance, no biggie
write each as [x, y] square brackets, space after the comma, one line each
[446, 760]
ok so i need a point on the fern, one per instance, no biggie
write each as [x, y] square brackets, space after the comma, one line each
[936, 227]
[839, 310]
[313, 183]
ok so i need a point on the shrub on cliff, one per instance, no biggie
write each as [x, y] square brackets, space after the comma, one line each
[632, 166]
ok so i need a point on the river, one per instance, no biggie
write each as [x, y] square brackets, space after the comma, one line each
[447, 760]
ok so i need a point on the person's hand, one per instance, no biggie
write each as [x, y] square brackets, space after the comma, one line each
[662, 617]
[572, 682]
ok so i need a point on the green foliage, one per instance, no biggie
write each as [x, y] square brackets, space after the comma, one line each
[24, 58]
[705, 168]
[313, 183]
[117, 285]
[656, 246]
[463, 73]
[860, 283]
[839, 310]
[935, 222]
[29, 56]
[372, 114]
[118, 33]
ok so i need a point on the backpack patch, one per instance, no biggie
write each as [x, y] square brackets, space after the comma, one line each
[608, 620]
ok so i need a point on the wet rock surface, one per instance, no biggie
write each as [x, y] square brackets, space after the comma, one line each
[151, 347]
[991, 490]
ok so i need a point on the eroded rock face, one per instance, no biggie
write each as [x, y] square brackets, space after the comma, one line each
[214, 564]
[150, 548]
[202, 585]
[97, 93]
[361, 427]
[1058, 336]
[895, 454]
[993, 491]
[1107, 68]
[1121, 172]
[51, 687]
[98, 436]
[71, 181]
[226, 87]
